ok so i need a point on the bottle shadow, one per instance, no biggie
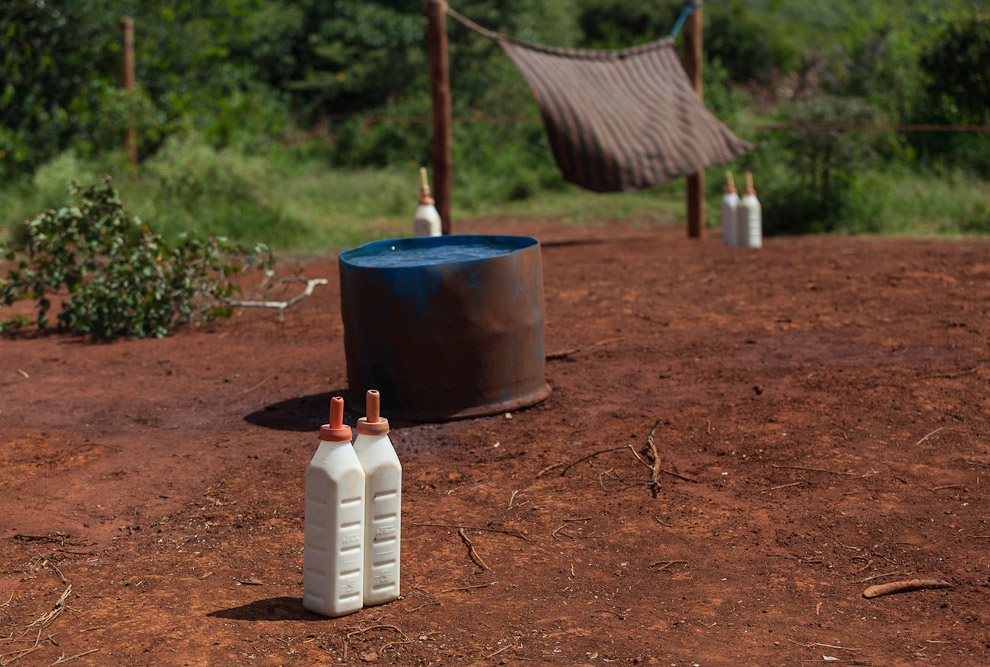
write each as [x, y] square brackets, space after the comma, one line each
[303, 413]
[282, 608]
[308, 413]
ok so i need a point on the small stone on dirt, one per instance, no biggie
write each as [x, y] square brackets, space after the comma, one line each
[369, 657]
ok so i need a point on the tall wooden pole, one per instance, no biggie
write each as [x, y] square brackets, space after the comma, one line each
[436, 44]
[692, 65]
[127, 83]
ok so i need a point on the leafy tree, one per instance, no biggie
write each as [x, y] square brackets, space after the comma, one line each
[615, 24]
[50, 51]
[956, 65]
[741, 41]
[114, 275]
[813, 179]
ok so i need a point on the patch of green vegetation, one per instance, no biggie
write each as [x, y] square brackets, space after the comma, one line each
[114, 275]
[225, 93]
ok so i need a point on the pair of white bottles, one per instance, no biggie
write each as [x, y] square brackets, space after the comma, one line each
[353, 515]
[742, 219]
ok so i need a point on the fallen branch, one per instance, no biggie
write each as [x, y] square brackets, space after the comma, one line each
[563, 354]
[819, 645]
[904, 587]
[589, 456]
[49, 617]
[548, 469]
[680, 477]
[282, 305]
[566, 523]
[938, 430]
[467, 588]
[831, 472]
[952, 375]
[504, 531]
[783, 486]
[73, 657]
[472, 552]
[504, 648]
[655, 474]
[664, 564]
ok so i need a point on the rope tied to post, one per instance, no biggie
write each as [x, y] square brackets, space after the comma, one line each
[689, 8]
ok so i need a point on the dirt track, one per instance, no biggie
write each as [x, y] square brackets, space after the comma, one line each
[823, 426]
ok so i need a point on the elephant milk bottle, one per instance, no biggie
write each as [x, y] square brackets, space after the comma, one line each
[730, 202]
[383, 504]
[333, 557]
[749, 216]
[427, 219]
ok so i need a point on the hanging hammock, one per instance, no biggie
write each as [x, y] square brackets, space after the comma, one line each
[620, 120]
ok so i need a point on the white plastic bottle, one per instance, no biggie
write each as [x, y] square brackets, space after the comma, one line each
[749, 216]
[383, 514]
[427, 220]
[730, 203]
[333, 558]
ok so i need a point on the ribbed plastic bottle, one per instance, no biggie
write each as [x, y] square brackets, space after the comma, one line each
[730, 203]
[333, 557]
[383, 514]
[427, 220]
[749, 215]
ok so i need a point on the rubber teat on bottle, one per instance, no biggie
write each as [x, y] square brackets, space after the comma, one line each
[373, 423]
[336, 430]
[750, 190]
[424, 188]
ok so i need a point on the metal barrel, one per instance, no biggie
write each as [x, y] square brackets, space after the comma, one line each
[446, 340]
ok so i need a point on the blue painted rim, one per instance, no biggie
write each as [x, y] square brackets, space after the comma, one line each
[511, 244]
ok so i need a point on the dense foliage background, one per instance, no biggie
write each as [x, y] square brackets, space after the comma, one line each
[261, 119]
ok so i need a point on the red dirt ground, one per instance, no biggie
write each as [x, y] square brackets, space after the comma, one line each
[822, 405]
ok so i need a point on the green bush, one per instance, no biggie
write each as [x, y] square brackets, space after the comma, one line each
[190, 185]
[955, 67]
[976, 218]
[813, 178]
[747, 49]
[116, 277]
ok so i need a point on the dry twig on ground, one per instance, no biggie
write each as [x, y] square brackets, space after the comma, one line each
[472, 552]
[655, 475]
[904, 587]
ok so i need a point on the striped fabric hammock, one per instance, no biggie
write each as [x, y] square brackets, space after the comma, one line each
[622, 120]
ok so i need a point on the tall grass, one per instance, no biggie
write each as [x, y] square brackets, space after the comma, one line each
[291, 199]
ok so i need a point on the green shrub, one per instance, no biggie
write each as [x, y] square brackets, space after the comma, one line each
[813, 179]
[190, 185]
[955, 68]
[115, 276]
[976, 218]
[741, 41]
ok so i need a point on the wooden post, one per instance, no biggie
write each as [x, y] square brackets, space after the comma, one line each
[127, 83]
[692, 65]
[436, 44]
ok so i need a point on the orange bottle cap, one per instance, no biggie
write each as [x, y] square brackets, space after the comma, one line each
[336, 430]
[373, 423]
